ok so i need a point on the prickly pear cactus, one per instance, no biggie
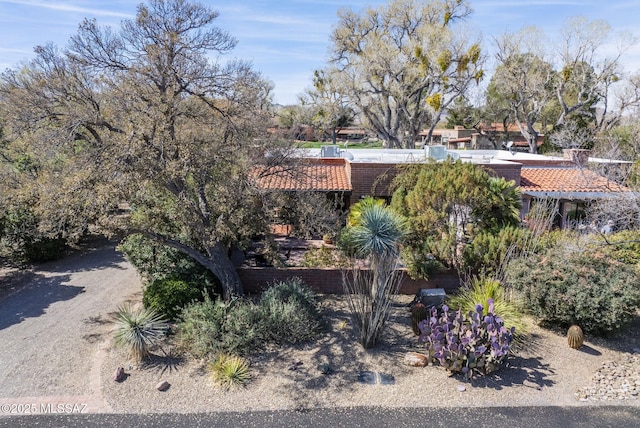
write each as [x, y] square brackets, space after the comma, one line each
[575, 337]
[418, 313]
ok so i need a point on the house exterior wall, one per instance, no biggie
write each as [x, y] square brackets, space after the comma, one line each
[374, 179]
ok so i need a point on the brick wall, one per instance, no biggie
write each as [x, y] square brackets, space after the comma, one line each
[371, 179]
[329, 281]
[506, 171]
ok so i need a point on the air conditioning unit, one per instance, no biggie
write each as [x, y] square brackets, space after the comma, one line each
[438, 152]
[332, 151]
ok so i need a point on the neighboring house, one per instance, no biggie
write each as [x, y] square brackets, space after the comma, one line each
[352, 175]
[490, 137]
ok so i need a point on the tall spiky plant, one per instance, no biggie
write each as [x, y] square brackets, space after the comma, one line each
[138, 329]
[376, 238]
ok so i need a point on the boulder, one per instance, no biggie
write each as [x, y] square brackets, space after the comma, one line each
[415, 359]
[119, 375]
[163, 386]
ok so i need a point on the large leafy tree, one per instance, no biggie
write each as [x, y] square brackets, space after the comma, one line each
[572, 82]
[447, 205]
[149, 117]
[404, 63]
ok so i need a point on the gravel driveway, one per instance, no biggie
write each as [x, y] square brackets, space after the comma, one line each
[52, 331]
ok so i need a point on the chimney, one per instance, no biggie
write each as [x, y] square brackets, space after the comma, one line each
[579, 157]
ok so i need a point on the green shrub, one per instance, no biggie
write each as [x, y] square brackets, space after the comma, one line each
[24, 241]
[157, 261]
[287, 313]
[201, 326]
[168, 296]
[591, 290]
[290, 312]
[173, 279]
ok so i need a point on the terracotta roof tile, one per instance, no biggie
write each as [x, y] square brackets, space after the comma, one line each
[315, 177]
[566, 180]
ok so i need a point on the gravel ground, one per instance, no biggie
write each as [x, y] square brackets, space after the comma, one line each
[545, 372]
[55, 332]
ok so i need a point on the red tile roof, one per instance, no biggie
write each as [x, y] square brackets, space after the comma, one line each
[566, 180]
[313, 177]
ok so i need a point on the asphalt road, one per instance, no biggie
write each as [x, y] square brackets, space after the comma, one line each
[495, 417]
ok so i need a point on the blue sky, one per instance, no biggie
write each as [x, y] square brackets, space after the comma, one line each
[287, 39]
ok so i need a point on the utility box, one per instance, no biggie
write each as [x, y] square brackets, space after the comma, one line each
[430, 297]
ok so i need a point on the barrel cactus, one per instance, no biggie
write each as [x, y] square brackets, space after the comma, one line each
[418, 313]
[575, 337]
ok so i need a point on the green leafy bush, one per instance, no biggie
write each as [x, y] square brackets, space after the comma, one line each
[201, 326]
[21, 236]
[287, 313]
[173, 278]
[169, 295]
[599, 294]
[290, 312]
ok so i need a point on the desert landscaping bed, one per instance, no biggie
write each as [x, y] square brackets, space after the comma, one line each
[335, 371]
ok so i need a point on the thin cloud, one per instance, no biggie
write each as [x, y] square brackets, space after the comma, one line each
[66, 7]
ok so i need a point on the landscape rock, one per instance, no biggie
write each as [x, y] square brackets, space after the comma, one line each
[119, 375]
[163, 386]
[415, 359]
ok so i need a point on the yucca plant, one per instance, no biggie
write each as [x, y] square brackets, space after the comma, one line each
[229, 370]
[138, 329]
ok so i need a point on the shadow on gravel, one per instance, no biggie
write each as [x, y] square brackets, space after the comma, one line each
[167, 362]
[528, 372]
[87, 259]
[32, 301]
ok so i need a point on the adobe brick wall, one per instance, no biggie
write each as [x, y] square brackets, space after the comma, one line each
[329, 281]
[374, 179]
[507, 171]
[371, 179]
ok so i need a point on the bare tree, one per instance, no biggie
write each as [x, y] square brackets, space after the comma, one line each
[403, 64]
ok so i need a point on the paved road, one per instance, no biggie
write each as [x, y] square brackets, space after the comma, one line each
[498, 417]
[52, 330]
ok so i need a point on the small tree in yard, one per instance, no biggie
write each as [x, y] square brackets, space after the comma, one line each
[373, 279]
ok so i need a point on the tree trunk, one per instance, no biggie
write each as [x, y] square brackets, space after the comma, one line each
[217, 262]
[220, 265]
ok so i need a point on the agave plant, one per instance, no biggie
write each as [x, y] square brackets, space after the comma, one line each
[138, 329]
[229, 370]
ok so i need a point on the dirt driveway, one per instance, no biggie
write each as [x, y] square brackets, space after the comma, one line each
[53, 330]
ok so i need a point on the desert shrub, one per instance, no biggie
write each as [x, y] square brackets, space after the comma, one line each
[138, 330]
[286, 313]
[322, 257]
[622, 246]
[290, 313]
[201, 326]
[479, 291]
[229, 370]
[586, 288]
[487, 251]
[21, 236]
[168, 296]
[469, 344]
[157, 261]
[173, 279]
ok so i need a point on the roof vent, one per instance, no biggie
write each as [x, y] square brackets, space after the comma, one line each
[332, 151]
